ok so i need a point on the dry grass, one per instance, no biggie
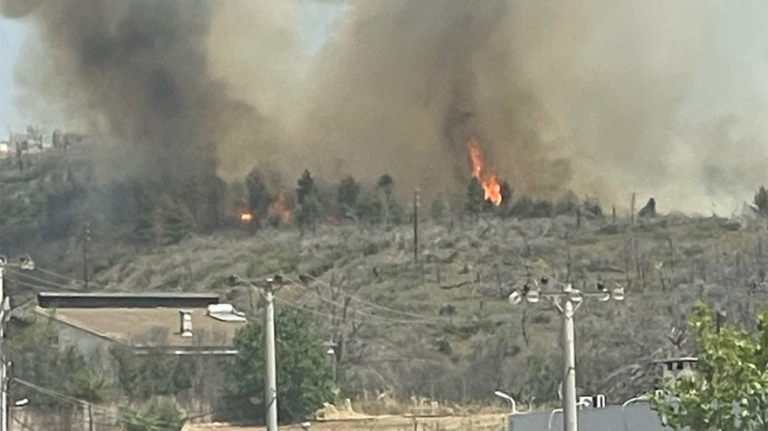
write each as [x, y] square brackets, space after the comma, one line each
[488, 422]
[474, 342]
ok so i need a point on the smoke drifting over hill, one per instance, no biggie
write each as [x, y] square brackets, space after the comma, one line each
[141, 73]
[587, 96]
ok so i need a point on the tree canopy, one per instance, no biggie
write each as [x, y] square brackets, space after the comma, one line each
[304, 379]
[730, 387]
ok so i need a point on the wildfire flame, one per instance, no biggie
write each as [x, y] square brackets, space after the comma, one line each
[246, 216]
[280, 206]
[491, 185]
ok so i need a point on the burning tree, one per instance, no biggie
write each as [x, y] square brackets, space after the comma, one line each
[492, 189]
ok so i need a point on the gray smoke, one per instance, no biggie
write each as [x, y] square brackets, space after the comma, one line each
[148, 78]
[593, 96]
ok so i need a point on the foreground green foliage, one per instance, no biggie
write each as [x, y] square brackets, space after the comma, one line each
[304, 381]
[64, 371]
[730, 390]
[158, 416]
[141, 377]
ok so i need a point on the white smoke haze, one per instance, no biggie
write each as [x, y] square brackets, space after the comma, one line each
[603, 97]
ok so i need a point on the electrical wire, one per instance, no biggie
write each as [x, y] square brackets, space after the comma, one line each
[56, 274]
[106, 411]
[372, 304]
[417, 320]
[361, 313]
[420, 319]
[40, 280]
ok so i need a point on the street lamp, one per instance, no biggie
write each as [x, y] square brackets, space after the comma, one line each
[508, 398]
[564, 301]
[582, 403]
[644, 397]
[332, 353]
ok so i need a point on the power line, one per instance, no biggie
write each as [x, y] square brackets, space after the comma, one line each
[372, 304]
[415, 318]
[106, 411]
[69, 279]
[40, 280]
[418, 319]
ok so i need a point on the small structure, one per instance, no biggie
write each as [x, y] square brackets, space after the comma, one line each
[675, 368]
[164, 323]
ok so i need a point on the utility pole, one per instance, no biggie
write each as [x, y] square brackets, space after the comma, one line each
[415, 225]
[26, 263]
[564, 301]
[270, 396]
[570, 418]
[86, 241]
[3, 363]
[270, 287]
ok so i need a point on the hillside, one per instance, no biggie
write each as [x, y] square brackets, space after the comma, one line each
[443, 327]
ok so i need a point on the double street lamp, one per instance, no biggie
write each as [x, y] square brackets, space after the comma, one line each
[566, 300]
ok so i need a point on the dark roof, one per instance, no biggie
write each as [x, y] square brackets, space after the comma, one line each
[125, 300]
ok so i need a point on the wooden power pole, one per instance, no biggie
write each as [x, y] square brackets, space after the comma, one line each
[86, 241]
[415, 225]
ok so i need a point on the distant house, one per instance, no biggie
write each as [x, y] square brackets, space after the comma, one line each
[162, 323]
[5, 150]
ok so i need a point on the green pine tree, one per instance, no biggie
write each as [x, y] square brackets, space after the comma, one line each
[145, 229]
[259, 195]
[176, 222]
[304, 379]
[306, 187]
[309, 213]
[385, 186]
[439, 209]
[347, 195]
[475, 198]
[761, 201]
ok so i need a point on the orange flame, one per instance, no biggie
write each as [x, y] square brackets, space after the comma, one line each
[246, 217]
[280, 206]
[491, 185]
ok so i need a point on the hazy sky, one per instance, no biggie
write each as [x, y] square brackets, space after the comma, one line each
[317, 21]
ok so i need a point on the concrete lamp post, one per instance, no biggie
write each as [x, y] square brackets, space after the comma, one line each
[566, 301]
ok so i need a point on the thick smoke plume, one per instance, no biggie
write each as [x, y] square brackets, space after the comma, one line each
[148, 80]
[596, 96]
